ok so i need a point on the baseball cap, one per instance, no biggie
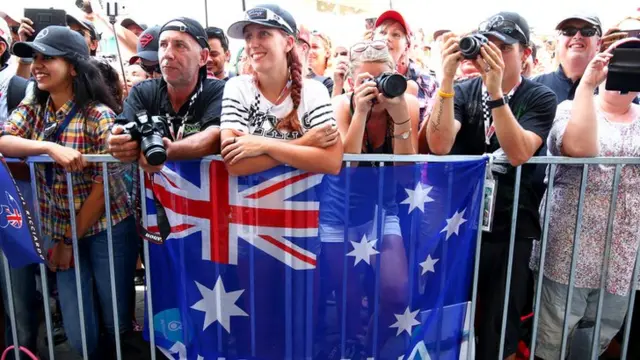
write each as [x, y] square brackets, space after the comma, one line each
[129, 21]
[217, 33]
[147, 48]
[304, 35]
[74, 20]
[53, 40]
[588, 18]
[269, 15]
[5, 32]
[188, 26]
[395, 16]
[508, 27]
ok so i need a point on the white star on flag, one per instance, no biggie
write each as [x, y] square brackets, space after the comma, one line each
[363, 250]
[406, 321]
[200, 357]
[418, 197]
[453, 224]
[428, 265]
[218, 305]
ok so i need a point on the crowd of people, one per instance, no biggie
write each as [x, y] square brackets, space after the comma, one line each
[296, 98]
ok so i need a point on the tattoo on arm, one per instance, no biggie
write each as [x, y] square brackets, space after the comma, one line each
[436, 122]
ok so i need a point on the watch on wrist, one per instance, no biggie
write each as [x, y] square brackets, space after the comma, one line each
[403, 136]
[492, 104]
[67, 241]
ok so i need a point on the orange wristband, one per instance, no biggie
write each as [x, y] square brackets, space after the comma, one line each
[445, 95]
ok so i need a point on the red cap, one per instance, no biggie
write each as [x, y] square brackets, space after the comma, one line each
[396, 16]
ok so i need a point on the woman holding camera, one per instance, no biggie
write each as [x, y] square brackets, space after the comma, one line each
[607, 124]
[376, 118]
[70, 115]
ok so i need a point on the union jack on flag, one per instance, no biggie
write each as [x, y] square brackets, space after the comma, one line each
[269, 212]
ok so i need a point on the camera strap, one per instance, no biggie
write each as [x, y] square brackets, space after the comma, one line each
[186, 116]
[489, 128]
[59, 129]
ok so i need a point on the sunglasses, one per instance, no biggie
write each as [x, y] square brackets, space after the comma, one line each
[14, 29]
[506, 27]
[341, 53]
[571, 31]
[265, 14]
[362, 46]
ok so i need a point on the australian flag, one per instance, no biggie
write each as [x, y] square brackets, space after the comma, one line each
[19, 238]
[375, 262]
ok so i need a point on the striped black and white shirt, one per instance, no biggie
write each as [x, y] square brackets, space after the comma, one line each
[245, 109]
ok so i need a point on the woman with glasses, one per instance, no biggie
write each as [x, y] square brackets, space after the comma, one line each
[394, 29]
[70, 115]
[607, 124]
[369, 122]
[270, 117]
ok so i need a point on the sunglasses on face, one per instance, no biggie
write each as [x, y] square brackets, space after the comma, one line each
[585, 31]
[362, 46]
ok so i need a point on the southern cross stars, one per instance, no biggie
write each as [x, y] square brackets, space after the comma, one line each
[453, 223]
[363, 250]
[418, 197]
[428, 265]
[406, 321]
[218, 305]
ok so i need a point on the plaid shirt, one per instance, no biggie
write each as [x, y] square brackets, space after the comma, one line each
[87, 132]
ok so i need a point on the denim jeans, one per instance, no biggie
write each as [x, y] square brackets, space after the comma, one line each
[25, 295]
[96, 286]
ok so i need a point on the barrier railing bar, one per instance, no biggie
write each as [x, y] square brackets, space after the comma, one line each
[147, 267]
[252, 284]
[345, 269]
[76, 257]
[632, 301]
[415, 229]
[595, 344]
[12, 310]
[43, 269]
[288, 288]
[112, 272]
[476, 271]
[512, 243]
[380, 235]
[576, 247]
[543, 251]
[405, 158]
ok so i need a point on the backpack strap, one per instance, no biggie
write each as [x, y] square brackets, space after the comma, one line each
[16, 92]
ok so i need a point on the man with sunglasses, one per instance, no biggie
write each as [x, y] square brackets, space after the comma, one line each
[147, 52]
[188, 101]
[219, 54]
[502, 113]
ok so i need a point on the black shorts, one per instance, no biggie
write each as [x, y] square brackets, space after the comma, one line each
[491, 290]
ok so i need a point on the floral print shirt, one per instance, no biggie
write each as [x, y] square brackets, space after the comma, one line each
[616, 140]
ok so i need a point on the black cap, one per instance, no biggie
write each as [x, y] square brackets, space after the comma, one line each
[188, 26]
[217, 33]
[267, 15]
[74, 20]
[129, 21]
[147, 48]
[53, 41]
[588, 18]
[508, 27]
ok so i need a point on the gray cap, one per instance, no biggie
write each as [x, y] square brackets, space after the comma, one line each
[588, 18]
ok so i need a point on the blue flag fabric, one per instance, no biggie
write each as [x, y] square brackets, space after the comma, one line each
[19, 238]
[374, 262]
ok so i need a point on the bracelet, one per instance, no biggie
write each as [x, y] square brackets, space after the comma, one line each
[404, 122]
[445, 95]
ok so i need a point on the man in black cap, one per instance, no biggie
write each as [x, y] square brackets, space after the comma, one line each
[87, 30]
[147, 52]
[186, 100]
[219, 54]
[502, 113]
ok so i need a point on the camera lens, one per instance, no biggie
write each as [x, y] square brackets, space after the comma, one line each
[470, 47]
[153, 149]
[392, 85]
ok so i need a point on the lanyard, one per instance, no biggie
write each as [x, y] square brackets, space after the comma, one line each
[56, 136]
[192, 101]
[489, 127]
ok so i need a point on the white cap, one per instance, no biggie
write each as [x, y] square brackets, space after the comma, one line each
[5, 33]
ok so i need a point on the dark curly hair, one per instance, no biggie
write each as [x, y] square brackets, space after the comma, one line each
[89, 85]
[113, 81]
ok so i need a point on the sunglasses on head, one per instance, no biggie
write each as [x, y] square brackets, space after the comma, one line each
[362, 46]
[506, 27]
[571, 31]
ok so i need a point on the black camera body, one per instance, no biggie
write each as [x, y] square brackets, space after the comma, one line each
[470, 45]
[624, 70]
[391, 85]
[149, 131]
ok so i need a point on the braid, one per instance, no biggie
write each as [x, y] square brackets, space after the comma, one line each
[291, 121]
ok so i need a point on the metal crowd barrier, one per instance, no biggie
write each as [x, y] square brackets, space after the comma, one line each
[552, 163]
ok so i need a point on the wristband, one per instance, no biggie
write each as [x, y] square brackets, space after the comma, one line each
[26, 61]
[67, 241]
[445, 95]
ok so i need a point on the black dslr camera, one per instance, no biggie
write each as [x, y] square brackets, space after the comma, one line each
[149, 131]
[391, 85]
[470, 45]
[624, 68]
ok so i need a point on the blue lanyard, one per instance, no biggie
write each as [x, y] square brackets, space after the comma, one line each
[48, 168]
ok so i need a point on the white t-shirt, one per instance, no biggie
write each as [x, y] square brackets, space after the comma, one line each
[244, 108]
